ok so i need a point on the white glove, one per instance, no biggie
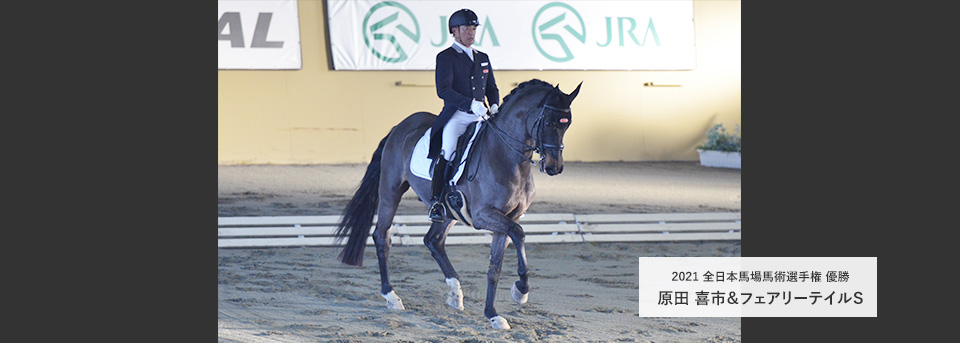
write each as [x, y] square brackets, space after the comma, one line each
[494, 109]
[478, 108]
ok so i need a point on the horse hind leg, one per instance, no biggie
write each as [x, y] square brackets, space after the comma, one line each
[389, 201]
[435, 239]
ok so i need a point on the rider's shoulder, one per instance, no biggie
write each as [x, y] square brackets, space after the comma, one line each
[449, 51]
[482, 54]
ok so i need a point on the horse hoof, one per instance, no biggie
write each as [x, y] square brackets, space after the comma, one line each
[520, 298]
[393, 301]
[499, 323]
[455, 296]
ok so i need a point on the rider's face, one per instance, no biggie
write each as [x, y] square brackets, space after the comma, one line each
[465, 34]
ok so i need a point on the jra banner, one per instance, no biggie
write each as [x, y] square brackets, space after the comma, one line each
[518, 35]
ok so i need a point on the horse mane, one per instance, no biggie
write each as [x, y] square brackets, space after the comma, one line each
[532, 82]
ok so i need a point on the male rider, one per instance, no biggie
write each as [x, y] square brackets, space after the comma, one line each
[464, 77]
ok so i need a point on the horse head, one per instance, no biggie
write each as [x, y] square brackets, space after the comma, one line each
[554, 120]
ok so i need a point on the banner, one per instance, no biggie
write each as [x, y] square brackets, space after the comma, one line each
[518, 35]
[758, 287]
[258, 34]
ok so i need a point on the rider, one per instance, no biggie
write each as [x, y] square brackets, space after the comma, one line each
[463, 77]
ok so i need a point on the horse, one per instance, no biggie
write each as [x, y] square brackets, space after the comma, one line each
[498, 188]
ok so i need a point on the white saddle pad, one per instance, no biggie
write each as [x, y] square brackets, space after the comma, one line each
[420, 164]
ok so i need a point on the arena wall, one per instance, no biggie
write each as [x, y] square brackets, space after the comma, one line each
[316, 115]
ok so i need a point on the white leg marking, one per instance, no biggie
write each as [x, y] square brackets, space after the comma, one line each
[455, 296]
[499, 323]
[393, 301]
[520, 298]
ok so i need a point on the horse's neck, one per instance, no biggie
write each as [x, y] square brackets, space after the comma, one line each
[516, 127]
[506, 148]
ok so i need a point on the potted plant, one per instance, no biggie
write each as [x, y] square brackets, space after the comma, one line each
[722, 149]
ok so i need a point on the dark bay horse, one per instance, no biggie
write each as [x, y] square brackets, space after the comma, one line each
[497, 188]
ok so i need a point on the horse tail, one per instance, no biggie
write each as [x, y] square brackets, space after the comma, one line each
[357, 218]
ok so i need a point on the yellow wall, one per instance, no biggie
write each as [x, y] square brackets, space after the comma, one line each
[317, 115]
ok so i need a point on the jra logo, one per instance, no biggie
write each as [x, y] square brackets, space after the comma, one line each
[380, 26]
[547, 29]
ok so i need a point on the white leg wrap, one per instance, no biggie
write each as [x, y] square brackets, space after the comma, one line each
[393, 301]
[520, 298]
[455, 297]
[499, 323]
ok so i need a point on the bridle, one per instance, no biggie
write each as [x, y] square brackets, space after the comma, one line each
[539, 145]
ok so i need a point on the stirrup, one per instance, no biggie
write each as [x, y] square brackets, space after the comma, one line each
[437, 212]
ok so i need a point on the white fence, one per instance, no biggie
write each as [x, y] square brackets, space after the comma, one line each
[247, 232]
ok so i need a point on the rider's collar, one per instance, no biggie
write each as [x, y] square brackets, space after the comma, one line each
[462, 49]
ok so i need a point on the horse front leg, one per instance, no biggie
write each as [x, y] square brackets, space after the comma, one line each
[497, 246]
[435, 239]
[520, 289]
[503, 227]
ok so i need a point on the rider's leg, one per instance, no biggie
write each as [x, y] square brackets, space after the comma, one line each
[451, 132]
[455, 127]
[437, 211]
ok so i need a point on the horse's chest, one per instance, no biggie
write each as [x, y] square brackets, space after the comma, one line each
[523, 196]
[505, 196]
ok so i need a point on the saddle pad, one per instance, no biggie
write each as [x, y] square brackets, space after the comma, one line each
[420, 164]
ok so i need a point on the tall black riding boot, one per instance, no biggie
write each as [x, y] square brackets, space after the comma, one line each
[437, 211]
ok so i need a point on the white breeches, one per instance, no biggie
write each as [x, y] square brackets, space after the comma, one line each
[451, 132]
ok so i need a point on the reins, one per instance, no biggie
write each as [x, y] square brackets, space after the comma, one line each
[504, 136]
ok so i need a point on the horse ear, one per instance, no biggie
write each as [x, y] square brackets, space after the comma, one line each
[575, 92]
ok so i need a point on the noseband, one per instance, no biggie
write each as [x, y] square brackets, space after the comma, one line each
[539, 145]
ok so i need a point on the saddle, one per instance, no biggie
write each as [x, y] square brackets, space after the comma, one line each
[453, 198]
[422, 167]
[465, 139]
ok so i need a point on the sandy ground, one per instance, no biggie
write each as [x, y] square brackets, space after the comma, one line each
[580, 292]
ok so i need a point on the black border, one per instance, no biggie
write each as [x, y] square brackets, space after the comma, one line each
[819, 179]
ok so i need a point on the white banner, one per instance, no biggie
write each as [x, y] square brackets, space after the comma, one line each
[758, 287]
[258, 34]
[518, 35]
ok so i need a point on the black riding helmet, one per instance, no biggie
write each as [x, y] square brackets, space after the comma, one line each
[463, 17]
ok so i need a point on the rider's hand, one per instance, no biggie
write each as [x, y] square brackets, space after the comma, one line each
[478, 108]
[494, 109]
